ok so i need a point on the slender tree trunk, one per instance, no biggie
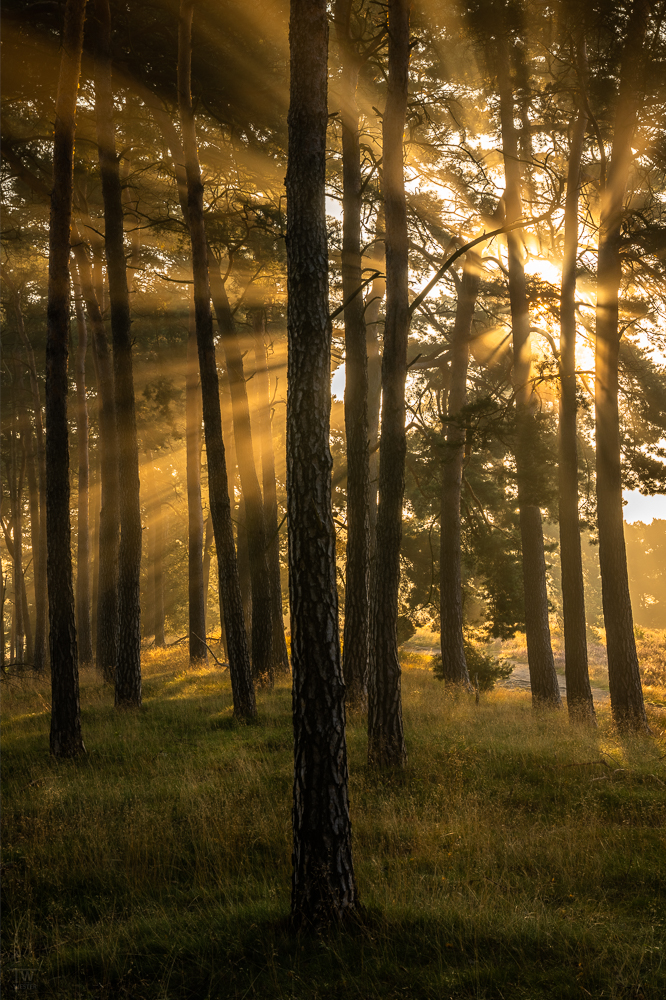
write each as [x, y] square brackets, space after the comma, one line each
[94, 548]
[454, 663]
[65, 737]
[543, 678]
[373, 345]
[15, 482]
[263, 411]
[28, 438]
[106, 645]
[261, 630]
[83, 628]
[128, 666]
[155, 610]
[196, 592]
[579, 694]
[386, 743]
[323, 883]
[158, 577]
[3, 594]
[357, 576]
[230, 596]
[39, 554]
[208, 543]
[244, 571]
[623, 674]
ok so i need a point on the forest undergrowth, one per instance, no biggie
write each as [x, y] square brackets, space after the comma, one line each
[515, 857]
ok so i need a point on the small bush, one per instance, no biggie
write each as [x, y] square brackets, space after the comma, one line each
[481, 665]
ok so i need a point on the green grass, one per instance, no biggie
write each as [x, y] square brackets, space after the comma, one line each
[516, 857]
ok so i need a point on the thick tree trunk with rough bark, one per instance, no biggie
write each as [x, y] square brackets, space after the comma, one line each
[261, 628]
[230, 596]
[454, 663]
[83, 627]
[543, 678]
[623, 674]
[386, 744]
[323, 883]
[357, 576]
[65, 736]
[579, 694]
[106, 635]
[128, 665]
[263, 424]
[196, 594]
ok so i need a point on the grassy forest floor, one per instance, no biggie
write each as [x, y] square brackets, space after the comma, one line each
[516, 856]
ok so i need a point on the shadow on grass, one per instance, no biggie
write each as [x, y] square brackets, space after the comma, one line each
[388, 957]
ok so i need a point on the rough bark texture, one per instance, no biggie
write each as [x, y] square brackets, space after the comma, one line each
[128, 665]
[323, 884]
[196, 605]
[357, 575]
[65, 736]
[623, 673]
[155, 609]
[579, 694]
[543, 679]
[83, 626]
[263, 422]
[261, 629]
[230, 596]
[39, 553]
[386, 744]
[454, 664]
[106, 635]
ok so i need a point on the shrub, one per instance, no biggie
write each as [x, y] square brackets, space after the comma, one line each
[481, 666]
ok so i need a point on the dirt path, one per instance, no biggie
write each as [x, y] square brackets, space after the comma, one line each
[519, 679]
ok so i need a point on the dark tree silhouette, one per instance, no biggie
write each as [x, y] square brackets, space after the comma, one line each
[128, 665]
[323, 883]
[229, 588]
[623, 674]
[65, 738]
[386, 744]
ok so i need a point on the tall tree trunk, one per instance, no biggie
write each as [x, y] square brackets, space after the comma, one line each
[373, 307]
[15, 470]
[263, 417]
[39, 554]
[83, 627]
[323, 883]
[623, 673]
[158, 576]
[128, 666]
[65, 737]
[208, 543]
[255, 527]
[28, 439]
[579, 694]
[196, 592]
[454, 663]
[543, 678]
[386, 743]
[355, 642]
[230, 596]
[94, 548]
[106, 644]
